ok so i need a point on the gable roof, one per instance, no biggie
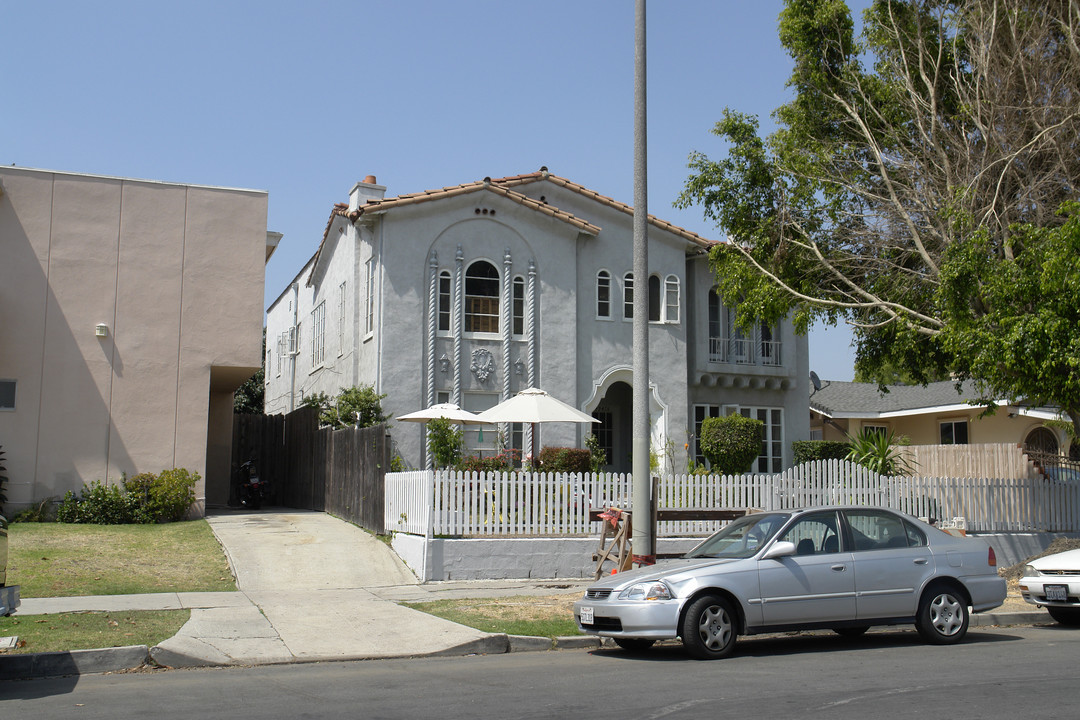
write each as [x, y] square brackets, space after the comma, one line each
[853, 400]
[504, 188]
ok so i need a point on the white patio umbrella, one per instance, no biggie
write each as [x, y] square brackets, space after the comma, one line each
[534, 406]
[449, 411]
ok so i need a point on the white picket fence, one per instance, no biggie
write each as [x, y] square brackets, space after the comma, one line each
[446, 503]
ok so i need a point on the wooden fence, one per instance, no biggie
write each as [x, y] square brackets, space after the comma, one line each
[311, 468]
[528, 504]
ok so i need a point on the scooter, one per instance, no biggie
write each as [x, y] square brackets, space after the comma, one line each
[253, 490]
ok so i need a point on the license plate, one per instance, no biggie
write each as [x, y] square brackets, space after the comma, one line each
[1056, 592]
[586, 616]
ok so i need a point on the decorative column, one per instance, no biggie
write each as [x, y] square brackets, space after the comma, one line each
[507, 332]
[459, 320]
[530, 335]
[432, 333]
[433, 325]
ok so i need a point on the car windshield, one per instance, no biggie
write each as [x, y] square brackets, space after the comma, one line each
[742, 538]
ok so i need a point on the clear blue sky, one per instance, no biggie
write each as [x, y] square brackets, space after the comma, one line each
[305, 99]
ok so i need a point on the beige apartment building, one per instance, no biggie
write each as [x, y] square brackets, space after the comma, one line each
[130, 311]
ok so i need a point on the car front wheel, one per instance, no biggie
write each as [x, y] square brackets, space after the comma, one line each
[709, 628]
[943, 615]
[1065, 615]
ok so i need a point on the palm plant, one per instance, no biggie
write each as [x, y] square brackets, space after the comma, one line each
[878, 451]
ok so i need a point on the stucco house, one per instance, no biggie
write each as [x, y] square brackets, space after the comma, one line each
[131, 310]
[938, 414]
[471, 293]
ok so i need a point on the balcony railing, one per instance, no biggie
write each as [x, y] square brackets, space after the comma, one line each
[741, 351]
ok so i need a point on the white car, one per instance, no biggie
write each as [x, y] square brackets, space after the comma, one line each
[1053, 582]
[839, 568]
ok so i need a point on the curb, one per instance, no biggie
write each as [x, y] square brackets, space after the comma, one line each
[73, 662]
[132, 657]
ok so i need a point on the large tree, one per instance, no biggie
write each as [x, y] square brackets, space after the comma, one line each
[916, 188]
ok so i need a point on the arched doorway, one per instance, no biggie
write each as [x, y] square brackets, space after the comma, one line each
[615, 413]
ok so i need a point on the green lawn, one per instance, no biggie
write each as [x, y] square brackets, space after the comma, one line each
[62, 560]
[91, 630]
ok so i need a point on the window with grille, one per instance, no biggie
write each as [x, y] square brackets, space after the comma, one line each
[482, 298]
[444, 301]
[628, 296]
[318, 334]
[671, 299]
[603, 294]
[519, 306]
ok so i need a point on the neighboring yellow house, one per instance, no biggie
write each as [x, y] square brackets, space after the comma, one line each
[130, 311]
[936, 415]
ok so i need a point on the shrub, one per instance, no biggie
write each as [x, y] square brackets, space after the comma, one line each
[3, 480]
[506, 461]
[172, 493]
[101, 504]
[809, 450]
[731, 443]
[564, 459]
[597, 454]
[358, 406]
[445, 440]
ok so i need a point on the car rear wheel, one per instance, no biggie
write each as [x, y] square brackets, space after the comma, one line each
[943, 615]
[709, 628]
[1064, 615]
[634, 644]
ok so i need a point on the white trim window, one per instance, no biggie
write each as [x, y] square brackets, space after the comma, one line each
[628, 296]
[671, 299]
[953, 432]
[341, 320]
[445, 308]
[369, 311]
[603, 295]
[318, 334]
[771, 458]
[7, 395]
[654, 299]
[518, 299]
[481, 298]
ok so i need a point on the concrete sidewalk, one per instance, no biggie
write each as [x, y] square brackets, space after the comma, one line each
[315, 588]
[311, 588]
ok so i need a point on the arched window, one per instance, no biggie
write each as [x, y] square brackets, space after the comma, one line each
[628, 296]
[603, 294]
[671, 299]
[519, 305]
[482, 298]
[444, 301]
[654, 298]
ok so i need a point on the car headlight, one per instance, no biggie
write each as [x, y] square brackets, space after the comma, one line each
[1030, 571]
[646, 591]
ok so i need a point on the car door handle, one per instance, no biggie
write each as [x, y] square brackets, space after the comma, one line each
[839, 568]
[920, 561]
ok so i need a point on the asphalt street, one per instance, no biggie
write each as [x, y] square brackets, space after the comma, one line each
[1005, 673]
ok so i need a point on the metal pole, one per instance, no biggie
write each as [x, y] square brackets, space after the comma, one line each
[644, 546]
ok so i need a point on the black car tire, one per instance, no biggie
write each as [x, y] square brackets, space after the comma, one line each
[634, 644]
[851, 632]
[709, 628]
[943, 615]
[1065, 615]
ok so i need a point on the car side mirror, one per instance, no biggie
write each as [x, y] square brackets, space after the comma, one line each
[779, 549]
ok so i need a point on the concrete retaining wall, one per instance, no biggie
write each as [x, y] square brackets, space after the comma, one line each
[522, 558]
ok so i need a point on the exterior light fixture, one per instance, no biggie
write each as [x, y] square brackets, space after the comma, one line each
[102, 330]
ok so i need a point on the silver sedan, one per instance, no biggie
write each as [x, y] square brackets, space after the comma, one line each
[839, 568]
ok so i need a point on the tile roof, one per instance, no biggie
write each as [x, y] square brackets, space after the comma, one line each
[846, 399]
[504, 187]
[543, 174]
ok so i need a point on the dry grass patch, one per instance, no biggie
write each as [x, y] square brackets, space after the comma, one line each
[61, 560]
[541, 616]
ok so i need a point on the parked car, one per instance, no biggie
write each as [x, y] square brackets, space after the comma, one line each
[839, 568]
[1053, 582]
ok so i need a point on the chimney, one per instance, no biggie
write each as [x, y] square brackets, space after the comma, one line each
[364, 191]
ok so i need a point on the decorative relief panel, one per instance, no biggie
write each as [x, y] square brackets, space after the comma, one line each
[483, 364]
